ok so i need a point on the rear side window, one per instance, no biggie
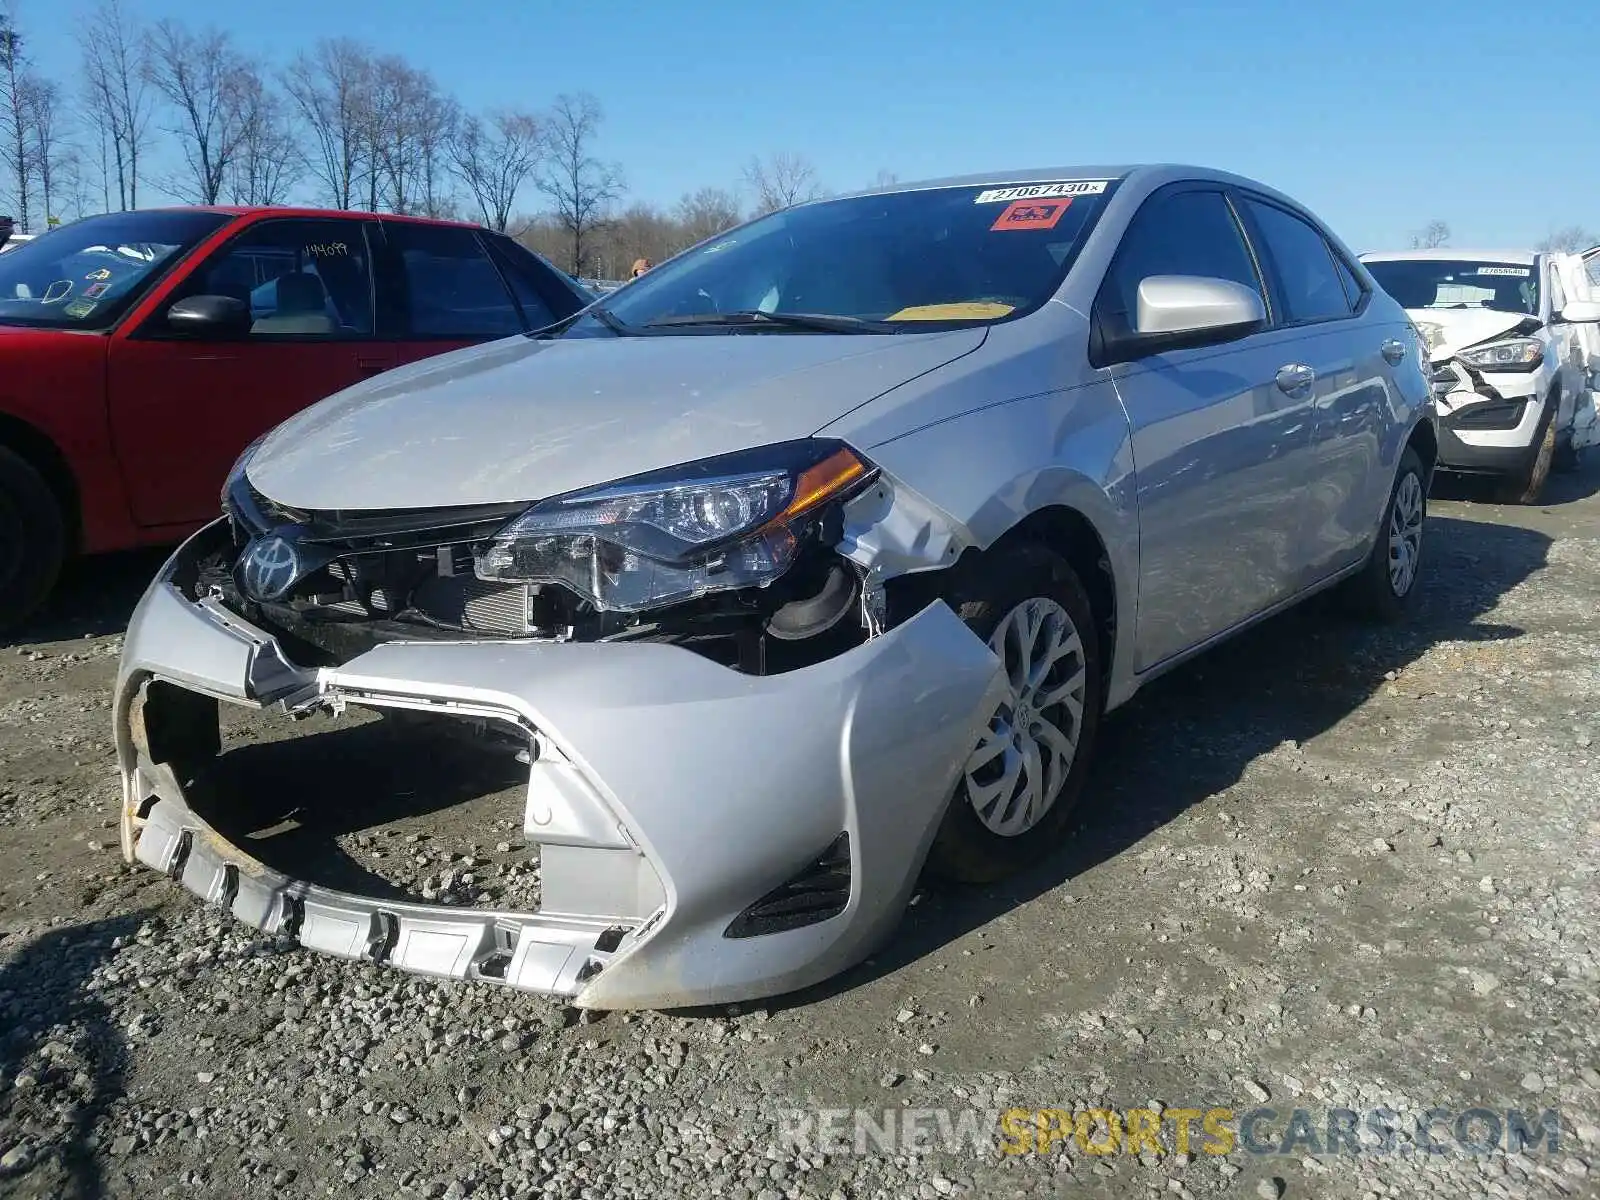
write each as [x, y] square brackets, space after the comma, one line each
[1353, 291]
[452, 289]
[1308, 281]
[1184, 233]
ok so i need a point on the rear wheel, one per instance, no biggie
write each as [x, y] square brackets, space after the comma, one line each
[33, 539]
[1386, 587]
[1022, 780]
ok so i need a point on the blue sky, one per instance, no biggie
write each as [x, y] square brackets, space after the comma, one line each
[1379, 116]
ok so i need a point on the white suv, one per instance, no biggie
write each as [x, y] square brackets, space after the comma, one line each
[1514, 337]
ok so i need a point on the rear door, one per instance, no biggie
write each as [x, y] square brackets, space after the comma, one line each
[1221, 437]
[1320, 304]
[446, 290]
[183, 408]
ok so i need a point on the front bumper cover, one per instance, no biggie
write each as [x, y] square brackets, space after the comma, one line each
[667, 795]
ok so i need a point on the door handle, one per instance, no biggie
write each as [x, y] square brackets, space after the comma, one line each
[1394, 351]
[372, 366]
[1296, 379]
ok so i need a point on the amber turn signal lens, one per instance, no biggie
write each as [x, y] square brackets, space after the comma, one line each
[834, 474]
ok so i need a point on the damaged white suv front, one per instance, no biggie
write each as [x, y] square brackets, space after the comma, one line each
[1515, 341]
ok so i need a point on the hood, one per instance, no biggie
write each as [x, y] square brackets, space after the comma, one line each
[1458, 328]
[522, 420]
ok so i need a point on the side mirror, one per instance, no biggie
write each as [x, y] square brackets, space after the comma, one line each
[1581, 312]
[210, 316]
[1176, 305]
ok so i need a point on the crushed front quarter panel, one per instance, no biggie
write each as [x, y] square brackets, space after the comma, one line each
[722, 786]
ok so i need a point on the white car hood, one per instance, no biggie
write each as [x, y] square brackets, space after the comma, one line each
[522, 420]
[1459, 328]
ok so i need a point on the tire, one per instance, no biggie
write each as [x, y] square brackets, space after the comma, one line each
[999, 597]
[1527, 485]
[1385, 590]
[33, 539]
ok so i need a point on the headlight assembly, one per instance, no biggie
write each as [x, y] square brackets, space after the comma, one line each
[717, 525]
[1515, 354]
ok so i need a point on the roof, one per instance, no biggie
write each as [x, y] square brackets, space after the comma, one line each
[1155, 173]
[279, 211]
[1525, 258]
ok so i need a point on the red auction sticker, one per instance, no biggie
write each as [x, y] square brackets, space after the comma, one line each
[1031, 214]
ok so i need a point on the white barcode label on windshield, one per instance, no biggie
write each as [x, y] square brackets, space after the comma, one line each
[1042, 191]
[1514, 272]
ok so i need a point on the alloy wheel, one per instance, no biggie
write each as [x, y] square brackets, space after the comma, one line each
[1021, 762]
[1405, 534]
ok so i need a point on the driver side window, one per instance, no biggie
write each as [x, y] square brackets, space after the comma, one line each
[300, 278]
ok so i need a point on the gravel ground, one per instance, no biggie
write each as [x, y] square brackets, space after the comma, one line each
[1324, 867]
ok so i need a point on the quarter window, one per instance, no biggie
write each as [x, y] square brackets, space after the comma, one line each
[452, 289]
[1353, 290]
[1184, 233]
[1306, 275]
[301, 278]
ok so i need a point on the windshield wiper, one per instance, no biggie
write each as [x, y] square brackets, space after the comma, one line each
[821, 322]
[603, 315]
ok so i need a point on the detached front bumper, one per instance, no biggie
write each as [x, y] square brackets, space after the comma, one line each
[668, 794]
[1488, 421]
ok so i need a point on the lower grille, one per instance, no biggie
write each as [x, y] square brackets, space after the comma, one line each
[820, 891]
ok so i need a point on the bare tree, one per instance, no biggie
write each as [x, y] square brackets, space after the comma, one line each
[493, 159]
[884, 178]
[41, 100]
[331, 90]
[16, 143]
[581, 186]
[706, 213]
[211, 88]
[1569, 240]
[117, 97]
[409, 123]
[781, 181]
[1431, 236]
[266, 165]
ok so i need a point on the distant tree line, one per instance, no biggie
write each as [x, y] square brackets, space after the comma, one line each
[1568, 240]
[164, 109]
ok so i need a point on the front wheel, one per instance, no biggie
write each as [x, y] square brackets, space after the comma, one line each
[1527, 485]
[33, 539]
[1022, 780]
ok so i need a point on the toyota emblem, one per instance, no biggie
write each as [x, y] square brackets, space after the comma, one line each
[269, 568]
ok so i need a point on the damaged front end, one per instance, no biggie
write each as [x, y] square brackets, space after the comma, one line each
[733, 558]
[729, 755]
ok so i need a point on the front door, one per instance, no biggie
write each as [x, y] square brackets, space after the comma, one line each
[1221, 438]
[183, 407]
[1584, 353]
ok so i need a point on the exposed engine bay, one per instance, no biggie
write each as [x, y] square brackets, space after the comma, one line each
[360, 579]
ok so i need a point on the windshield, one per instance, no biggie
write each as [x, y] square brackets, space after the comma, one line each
[85, 275]
[1447, 283]
[914, 260]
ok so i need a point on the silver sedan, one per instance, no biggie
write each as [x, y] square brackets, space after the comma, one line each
[811, 558]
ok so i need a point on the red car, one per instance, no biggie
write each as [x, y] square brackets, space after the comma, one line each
[141, 352]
